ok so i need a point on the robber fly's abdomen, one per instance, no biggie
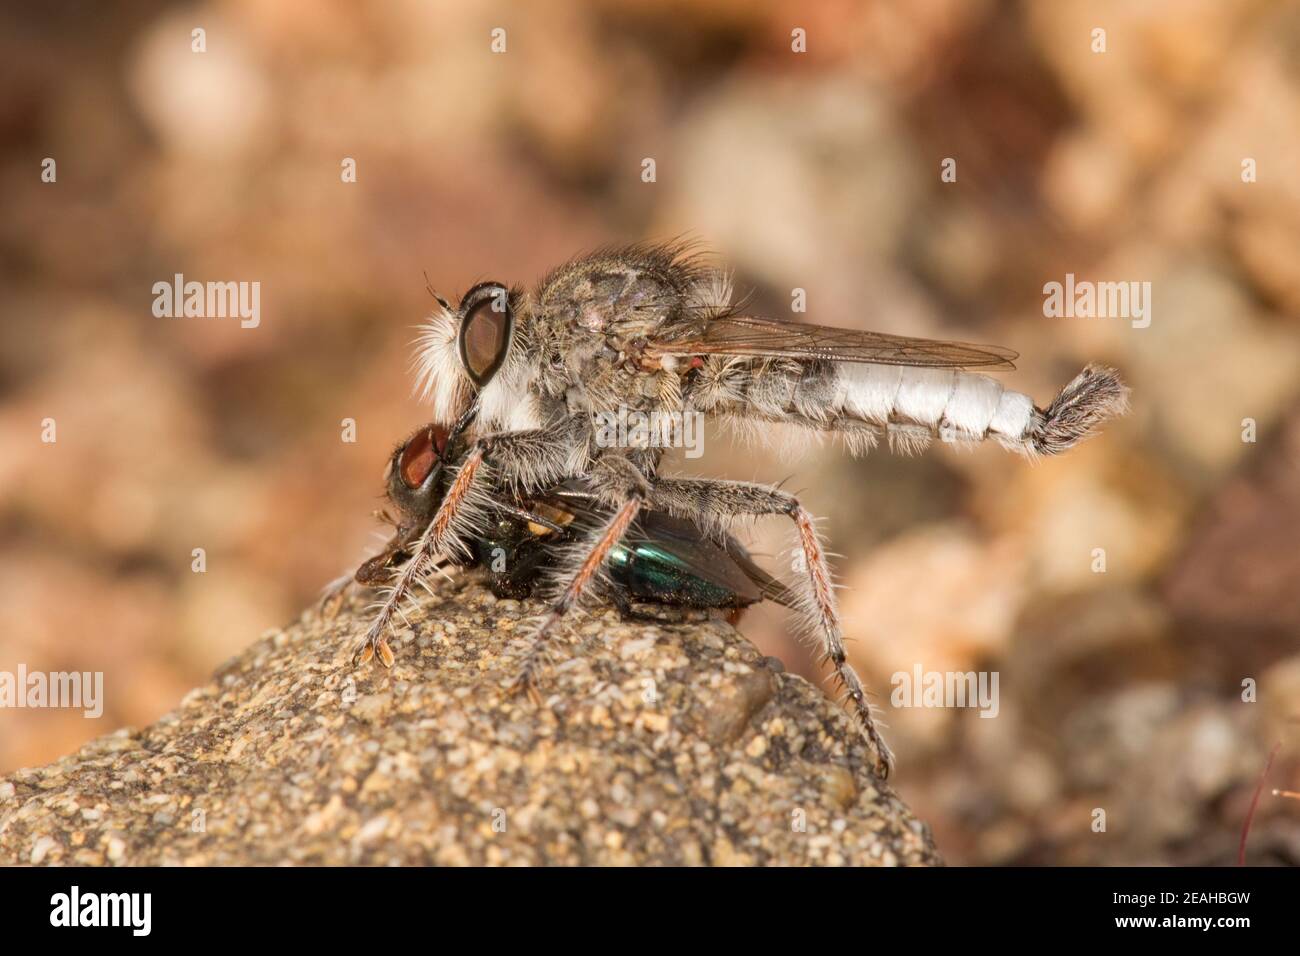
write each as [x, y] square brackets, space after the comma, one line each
[953, 404]
[910, 405]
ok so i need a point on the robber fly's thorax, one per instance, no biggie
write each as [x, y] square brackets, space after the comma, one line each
[612, 303]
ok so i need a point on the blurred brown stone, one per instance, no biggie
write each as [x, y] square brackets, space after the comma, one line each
[1241, 566]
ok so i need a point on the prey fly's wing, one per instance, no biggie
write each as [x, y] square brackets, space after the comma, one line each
[746, 335]
[771, 588]
[722, 562]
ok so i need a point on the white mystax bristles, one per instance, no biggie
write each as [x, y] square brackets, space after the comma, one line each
[439, 378]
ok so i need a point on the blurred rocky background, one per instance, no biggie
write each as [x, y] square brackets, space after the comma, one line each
[1120, 689]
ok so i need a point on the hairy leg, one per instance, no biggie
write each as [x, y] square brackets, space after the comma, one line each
[714, 503]
[497, 469]
[513, 461]
[581, 578]
[404, 579]
[446, 526]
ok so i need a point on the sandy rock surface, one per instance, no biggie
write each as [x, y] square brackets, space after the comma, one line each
[655, 744]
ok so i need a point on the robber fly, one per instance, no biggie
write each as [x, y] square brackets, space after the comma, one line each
[664, 561]
[653, 328]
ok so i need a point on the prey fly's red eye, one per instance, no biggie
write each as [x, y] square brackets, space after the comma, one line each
[421, 453]
[485, 330]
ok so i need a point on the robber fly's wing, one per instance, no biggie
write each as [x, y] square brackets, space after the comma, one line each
[749, 335]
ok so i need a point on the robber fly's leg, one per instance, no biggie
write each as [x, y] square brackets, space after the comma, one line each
[521, 458]
[375, 643]
[403, 580]
[459, 509]
[587, 569]
[525, 460]
[713, 503]
[399, 567]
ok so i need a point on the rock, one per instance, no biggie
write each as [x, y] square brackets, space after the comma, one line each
[1239, 566]
[654, 744]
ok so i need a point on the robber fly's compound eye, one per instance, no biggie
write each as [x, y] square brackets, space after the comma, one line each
[417, 458]
[485, 328]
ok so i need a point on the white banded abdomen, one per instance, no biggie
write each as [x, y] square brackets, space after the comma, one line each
[970, 405]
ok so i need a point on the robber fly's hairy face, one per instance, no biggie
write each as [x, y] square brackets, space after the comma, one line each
[417, 472]
[462, 348]
[527, 358]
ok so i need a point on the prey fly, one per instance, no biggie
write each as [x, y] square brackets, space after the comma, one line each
[664, 561]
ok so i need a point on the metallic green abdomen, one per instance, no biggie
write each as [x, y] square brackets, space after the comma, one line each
[647, 572]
